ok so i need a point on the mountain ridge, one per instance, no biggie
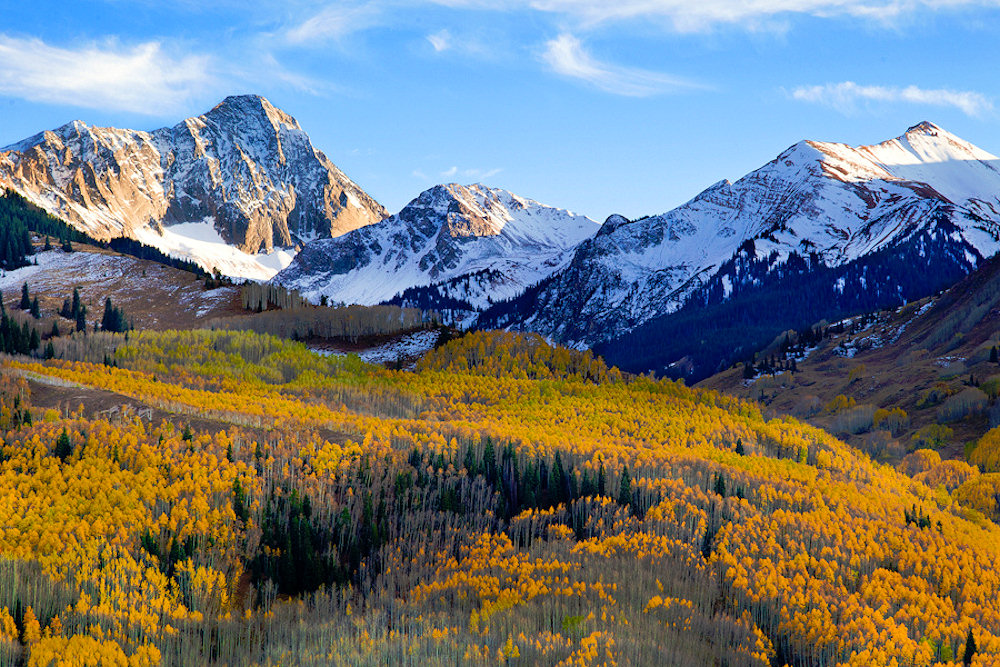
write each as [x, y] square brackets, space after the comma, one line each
[832, 201]
[446, 233]
[244, 174]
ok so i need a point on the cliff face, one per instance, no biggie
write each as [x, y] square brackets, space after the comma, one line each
[245, 167]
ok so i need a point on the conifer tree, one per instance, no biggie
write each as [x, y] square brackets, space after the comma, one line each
[489, 461]
[81, 318]
[63, 446]
[720, 485]
[557, 481]
[970, 649]
[469, 462]
[25, 298]
[625, 488]
[113, 318]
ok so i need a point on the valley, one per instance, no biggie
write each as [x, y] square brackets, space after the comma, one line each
[462, 433]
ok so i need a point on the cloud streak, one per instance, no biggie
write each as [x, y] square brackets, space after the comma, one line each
[687, 16]
[846, 96]
[466, 174]
[141, 79]
[335, 22]
[567, 56]
[441, 40]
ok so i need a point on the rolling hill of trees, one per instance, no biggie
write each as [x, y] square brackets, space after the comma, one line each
[507, 503]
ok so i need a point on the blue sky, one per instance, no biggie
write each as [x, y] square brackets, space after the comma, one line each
[627, 106]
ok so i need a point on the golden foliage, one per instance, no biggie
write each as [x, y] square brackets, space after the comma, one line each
[919, 461]
[986, 453]
[949, 474]
[715, 534]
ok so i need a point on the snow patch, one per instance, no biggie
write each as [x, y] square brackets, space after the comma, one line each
[405, 348]
[200, 242]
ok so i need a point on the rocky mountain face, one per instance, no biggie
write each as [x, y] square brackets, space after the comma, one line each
[832, 204]
[467, 244]
[245, 170]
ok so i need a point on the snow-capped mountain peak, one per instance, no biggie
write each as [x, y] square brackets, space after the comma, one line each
[245, 109]
[447, 233]
[241, 179]
[828, 200]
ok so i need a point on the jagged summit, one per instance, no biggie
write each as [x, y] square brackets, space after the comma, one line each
[241, 179]
[831, 201]
[251, 109]
[924, 127]
[493, 241]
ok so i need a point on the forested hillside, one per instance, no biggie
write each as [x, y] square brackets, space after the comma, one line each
[507, 503]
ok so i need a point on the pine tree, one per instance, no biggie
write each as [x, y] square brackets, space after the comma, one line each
[36, 311]
[113, 318]
[55, 333]
[63, 446]
[25, 298]
[529, 496]
[970, 649]
[625, 488]
[489, 461]
[240, 507]
[720, 485]
[48, 243]
[81, 318]
[602, 481]
[557, 481]
[469, 462]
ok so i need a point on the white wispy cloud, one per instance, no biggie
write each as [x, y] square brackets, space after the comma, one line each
[441, 40]
[143, 78]
[465, 175]
[847, 95]
[480, 174]
[334, 22]
[567, 56]
[688, 16]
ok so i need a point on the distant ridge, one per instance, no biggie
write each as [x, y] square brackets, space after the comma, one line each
[831, 204]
